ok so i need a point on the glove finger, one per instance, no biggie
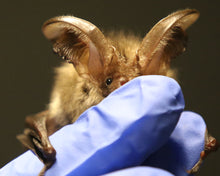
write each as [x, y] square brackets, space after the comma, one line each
[183, 149]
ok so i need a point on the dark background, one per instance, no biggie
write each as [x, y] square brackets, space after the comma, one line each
[27, 61]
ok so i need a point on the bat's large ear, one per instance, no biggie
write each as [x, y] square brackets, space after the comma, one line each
[166, 40]
[79, 42]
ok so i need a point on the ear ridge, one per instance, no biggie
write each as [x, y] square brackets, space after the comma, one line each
[79, 42]
[166, 40]
[169, 47]
[70, 46]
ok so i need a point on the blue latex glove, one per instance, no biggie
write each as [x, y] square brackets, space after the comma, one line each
[133, 126]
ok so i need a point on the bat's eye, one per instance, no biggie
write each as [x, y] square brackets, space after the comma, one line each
[108, 81]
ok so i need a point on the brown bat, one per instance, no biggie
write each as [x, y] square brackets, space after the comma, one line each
[97, 65]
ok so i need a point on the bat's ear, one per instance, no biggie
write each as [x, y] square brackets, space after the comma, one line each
[166, 40]
[80, 43]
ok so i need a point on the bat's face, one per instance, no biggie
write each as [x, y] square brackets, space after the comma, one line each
[122, 68]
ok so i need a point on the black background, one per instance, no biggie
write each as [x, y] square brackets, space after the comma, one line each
[27, 61]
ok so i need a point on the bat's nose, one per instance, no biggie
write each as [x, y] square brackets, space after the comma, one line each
[123, 82]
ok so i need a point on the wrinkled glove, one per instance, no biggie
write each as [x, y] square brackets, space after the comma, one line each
[136, 125]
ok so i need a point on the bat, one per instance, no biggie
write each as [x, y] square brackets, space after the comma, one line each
[96, 65]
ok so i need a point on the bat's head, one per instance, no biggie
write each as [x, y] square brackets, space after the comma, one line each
[108, 63]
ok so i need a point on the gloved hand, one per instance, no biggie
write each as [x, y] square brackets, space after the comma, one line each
[135, 125]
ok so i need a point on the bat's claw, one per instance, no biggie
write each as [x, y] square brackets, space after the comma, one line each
[36, 139]
[211, 145]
